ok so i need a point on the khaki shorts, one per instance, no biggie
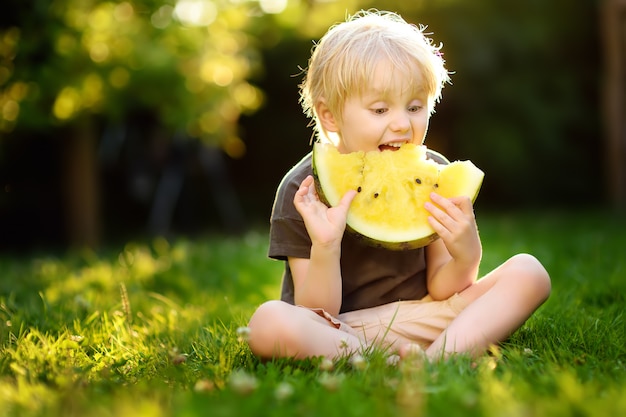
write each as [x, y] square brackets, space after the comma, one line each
[395, 324]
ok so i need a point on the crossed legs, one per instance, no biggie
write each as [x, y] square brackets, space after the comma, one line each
[499, 304]
[279, 329]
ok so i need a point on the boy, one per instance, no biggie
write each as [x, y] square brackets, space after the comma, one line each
[372, 84]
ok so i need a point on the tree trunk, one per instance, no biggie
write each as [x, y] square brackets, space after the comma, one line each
[81, 186]
[613, 22]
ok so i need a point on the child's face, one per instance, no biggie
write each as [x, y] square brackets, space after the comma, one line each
[389, 112]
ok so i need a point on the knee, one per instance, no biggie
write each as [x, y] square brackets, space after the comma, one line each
[268, 327]
[535, 277]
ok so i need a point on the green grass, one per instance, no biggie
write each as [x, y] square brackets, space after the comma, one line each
[151, 330]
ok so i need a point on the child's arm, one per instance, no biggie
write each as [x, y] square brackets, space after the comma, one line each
[317, 280]
[452, 261]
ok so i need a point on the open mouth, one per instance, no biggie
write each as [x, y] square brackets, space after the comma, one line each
[391, 146]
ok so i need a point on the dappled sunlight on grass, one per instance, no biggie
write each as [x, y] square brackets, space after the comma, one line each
[158, 329]
[189, 279]
[157, 288]
[159, 312]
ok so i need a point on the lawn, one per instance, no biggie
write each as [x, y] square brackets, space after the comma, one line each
[151, 329]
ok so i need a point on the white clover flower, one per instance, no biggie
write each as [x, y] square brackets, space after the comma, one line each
[358, 362]
[393, 360]
[326, 365]
[283, 391]
[243, 333]
[242, 382]
[330, 382]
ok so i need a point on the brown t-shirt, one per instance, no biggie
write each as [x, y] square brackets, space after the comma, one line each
[370, 276]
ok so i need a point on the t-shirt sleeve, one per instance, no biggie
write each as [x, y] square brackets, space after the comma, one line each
[289, 238]
[288, 235]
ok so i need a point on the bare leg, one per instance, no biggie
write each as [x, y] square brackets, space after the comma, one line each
[279, 329]
[500, 303]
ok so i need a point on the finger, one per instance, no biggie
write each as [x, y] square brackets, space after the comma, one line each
[312, 194]
[448, 213]
[300, 195]
[439, 228]
[443, 202]
[347, 199]
[439, 216]
[303, 197]
[464, 203]
[306, 187]
[454, 206]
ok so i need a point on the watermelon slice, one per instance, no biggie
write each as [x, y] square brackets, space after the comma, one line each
[392, 187]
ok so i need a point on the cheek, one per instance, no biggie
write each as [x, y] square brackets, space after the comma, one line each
[421, 124]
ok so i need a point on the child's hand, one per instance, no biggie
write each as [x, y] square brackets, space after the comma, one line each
[325, 225]
[455, 224]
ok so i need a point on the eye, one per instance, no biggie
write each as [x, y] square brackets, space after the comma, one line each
[380, 110]
[415, 109]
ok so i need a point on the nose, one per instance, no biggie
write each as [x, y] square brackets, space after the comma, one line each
[401, 122]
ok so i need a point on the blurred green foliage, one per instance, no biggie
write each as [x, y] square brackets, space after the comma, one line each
[524, 103]
[187, 62]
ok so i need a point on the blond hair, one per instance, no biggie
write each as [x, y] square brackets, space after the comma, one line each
[343, 61]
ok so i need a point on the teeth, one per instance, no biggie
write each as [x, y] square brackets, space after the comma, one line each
[395, 144]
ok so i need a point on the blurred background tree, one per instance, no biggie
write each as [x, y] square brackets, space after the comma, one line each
[165, 116]
[74, 69]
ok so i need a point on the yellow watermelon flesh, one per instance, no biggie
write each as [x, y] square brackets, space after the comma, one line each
[392, 186]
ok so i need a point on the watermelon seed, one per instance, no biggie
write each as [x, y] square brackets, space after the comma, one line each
[417, 180]
[358, 190]
[375, 195]
[436, 185]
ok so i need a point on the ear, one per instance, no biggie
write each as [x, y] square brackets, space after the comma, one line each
[326, 117]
